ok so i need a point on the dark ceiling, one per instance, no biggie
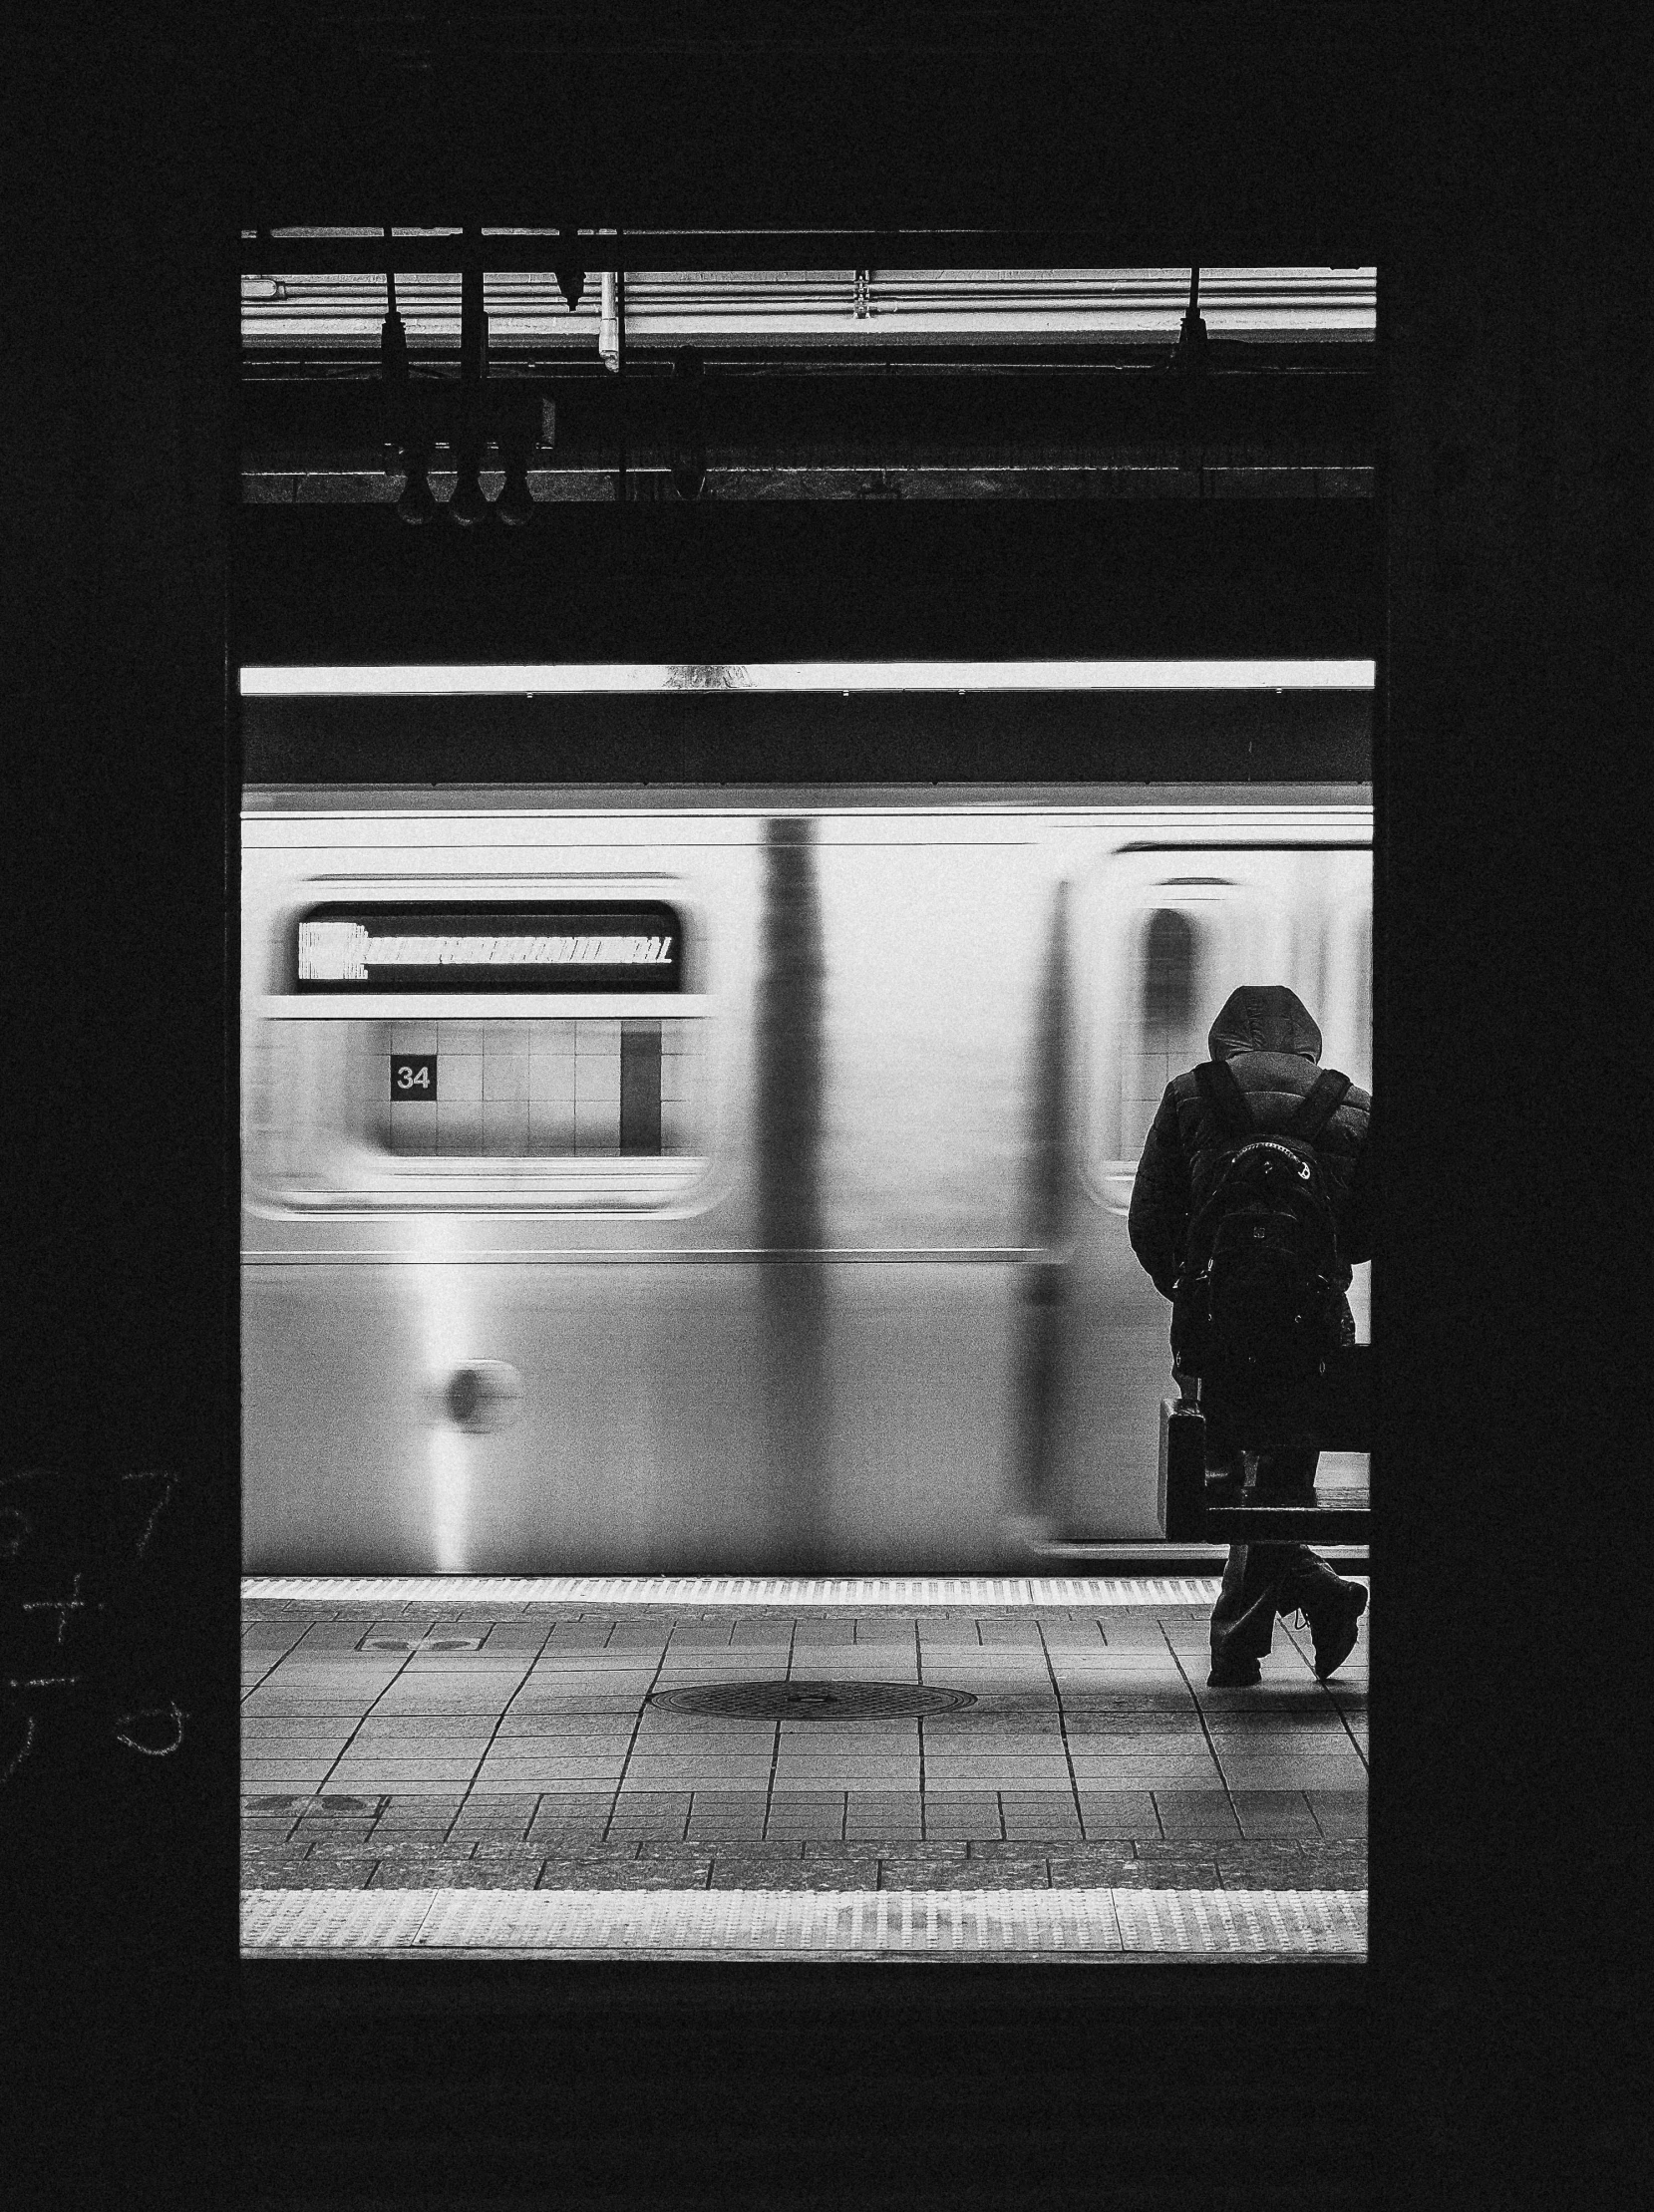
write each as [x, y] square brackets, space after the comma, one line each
[1211, 131]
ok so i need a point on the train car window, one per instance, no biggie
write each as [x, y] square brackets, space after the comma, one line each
[579, 1088]
[582, 1088]
[492, 1054]
[423, 946]
[1168, 1007]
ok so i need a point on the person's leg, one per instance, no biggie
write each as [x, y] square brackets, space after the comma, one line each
[1303, 1581]
[1263, 1582]
[1243, 1619]
[1250, 1601]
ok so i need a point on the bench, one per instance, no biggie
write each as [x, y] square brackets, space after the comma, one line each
[1332, 1414]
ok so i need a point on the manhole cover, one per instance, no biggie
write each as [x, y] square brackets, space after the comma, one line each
[421, 1644]
[815, 1700]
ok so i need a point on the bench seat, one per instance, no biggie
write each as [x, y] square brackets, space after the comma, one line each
[1333, 1413]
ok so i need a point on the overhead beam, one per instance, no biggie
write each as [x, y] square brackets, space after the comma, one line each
[1071, 415]
[540, 253]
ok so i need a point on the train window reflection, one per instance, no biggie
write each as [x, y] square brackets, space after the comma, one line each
[1169, 973]
[575, 1088]
[1165, 1044]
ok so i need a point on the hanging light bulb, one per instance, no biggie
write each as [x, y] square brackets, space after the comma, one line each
[515, 503]
[1191, 361]
[686, 438]
[1190, 353]
[417, 503]
[393, 367]
[469, 505]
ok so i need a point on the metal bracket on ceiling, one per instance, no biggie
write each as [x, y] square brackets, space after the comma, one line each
[569, 270]
[1190, 354]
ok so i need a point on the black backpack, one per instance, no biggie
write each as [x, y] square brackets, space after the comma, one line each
[1256, 1303]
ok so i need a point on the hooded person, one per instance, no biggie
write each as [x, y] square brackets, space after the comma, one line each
[1273, 1050]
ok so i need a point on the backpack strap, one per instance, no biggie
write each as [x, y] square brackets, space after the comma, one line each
[1215, 1079]
[1318, 1105]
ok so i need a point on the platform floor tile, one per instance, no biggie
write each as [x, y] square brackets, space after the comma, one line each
[1091, 1725]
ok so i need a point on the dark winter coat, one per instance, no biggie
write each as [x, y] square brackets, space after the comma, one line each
[1272, 1048]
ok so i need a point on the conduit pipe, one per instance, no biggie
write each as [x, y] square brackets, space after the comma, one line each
[609, 323]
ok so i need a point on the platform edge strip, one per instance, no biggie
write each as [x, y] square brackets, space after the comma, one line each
[1164, 1923]
[735, 1589]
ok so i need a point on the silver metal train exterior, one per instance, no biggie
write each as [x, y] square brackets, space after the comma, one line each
[861, 1300]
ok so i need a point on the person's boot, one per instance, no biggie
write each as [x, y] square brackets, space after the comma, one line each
[1330, 1604]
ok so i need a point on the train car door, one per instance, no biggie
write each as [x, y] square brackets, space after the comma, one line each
[1168, 924]
[547, 1185]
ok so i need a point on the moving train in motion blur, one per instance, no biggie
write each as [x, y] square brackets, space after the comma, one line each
[736, 1182]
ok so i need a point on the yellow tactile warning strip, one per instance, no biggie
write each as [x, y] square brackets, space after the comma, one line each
[1091, 1924]
[776, 1590]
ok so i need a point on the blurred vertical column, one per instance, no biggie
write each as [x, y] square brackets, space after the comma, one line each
[1045, 1279]
[790, 1081]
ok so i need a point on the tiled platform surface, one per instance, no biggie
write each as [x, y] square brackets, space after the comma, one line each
[525, 1755]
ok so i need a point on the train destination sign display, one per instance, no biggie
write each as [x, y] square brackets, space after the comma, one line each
[572, 946]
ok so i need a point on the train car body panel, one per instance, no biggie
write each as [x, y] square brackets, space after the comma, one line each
[860, 1297]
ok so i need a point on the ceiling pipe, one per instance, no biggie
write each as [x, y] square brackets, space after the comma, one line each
[621, 491]
[608, 322]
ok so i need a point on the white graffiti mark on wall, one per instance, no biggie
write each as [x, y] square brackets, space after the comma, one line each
[80, 1556]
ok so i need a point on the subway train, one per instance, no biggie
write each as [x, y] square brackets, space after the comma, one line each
[663, 1182]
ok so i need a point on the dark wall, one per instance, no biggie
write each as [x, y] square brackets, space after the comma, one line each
[816, 738]
[1511, 940]
[1113, 580]
[1512, 922]
[120, 1341]
[1252, 126]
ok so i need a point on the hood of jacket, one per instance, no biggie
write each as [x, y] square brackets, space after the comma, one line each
[1264, 1018]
